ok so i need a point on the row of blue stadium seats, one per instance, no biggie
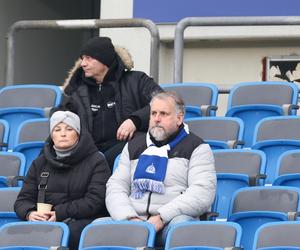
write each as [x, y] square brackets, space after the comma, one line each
[273, 136]
[125, 235]
[250, 102]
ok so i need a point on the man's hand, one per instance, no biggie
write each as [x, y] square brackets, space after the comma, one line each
[135, 219]
[157, 222]
[126, 130]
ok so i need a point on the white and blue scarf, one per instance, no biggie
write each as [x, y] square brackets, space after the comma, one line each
[152, 166]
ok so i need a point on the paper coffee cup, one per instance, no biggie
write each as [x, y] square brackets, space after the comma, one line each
[44, 207]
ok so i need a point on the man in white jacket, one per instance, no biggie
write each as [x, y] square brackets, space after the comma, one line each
[165, 176]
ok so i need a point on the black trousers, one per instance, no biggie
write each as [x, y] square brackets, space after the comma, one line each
[76, 227]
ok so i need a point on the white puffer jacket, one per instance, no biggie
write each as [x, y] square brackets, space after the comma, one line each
[190, 182]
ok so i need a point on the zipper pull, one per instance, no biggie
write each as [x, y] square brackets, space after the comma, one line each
[100, 86]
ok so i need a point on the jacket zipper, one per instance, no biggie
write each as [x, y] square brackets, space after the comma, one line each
[148, 206]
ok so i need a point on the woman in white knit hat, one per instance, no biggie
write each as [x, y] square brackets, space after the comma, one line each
[72, 175]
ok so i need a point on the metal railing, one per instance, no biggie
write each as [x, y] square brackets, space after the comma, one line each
[219, 21]
[82, 24]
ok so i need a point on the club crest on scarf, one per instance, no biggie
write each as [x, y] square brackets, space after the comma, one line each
[152, 164]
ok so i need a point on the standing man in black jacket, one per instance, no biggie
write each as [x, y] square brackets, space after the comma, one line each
[112, 99]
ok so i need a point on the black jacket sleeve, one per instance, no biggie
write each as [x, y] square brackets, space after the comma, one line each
[147, 88]
[27, 198]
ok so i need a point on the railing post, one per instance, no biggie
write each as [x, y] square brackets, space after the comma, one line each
[83, 24]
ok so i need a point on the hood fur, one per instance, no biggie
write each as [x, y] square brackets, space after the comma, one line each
[121, 51]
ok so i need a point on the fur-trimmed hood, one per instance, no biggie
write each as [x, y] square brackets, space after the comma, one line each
[122, 53]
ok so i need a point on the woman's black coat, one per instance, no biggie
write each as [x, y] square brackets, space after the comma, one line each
[76, 185]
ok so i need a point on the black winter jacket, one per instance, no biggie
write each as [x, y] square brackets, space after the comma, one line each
[133, 91]
[76, 185]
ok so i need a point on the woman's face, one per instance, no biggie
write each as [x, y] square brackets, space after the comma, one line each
[64, 136]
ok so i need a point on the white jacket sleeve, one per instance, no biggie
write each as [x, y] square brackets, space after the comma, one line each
[199, 196]
[118, 190]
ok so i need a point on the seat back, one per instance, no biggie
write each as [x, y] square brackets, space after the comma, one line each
[219, 132]
[8, 197]
[201, 95]
[277, 234]
[288, 169]
[31, 150]
[254, 206]
[12, 164]
[265, 198]
[277, 128]
[4, 133]
[274, 136]
[22, 102]
[204, 234]
[289, 163]
[43, 234]
[246, 93]
[117, 233]
[33, 130]
[236, 168]
[30, 95]
[254, 101]
[239, 161]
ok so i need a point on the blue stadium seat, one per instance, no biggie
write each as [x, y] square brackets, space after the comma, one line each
[117, 235]
[288, 169]
[116, 162]
[33, 234]
[203, 235]
[22, 102]
[274, 136]
[31, 150]
[200, 98]
[4, 134]
[282, 235]
[8, 197]
[236, 168]
[252, 207]
[30, 138]
[253, 101]
[12, 166]
[218, 132]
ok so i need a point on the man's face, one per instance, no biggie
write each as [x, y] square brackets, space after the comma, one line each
[164, 120]
[93, 68]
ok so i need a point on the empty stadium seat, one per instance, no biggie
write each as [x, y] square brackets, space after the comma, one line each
[274, 136]
[200, 98]
[30, 138]
[236, 168]
[40, 234]
[8, 197]
[12, 165]
[204, 235]
[4, 133]
[117, 235]
[278, 236]
[287, 171]
[253, 101]
[21, 102]
[218, 132]
[252, 207]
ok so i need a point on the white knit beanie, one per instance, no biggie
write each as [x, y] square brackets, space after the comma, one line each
[66, 117]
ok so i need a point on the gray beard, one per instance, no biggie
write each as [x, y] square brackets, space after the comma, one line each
[158, 133]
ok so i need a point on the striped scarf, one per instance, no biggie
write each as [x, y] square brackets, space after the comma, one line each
[152, 166]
